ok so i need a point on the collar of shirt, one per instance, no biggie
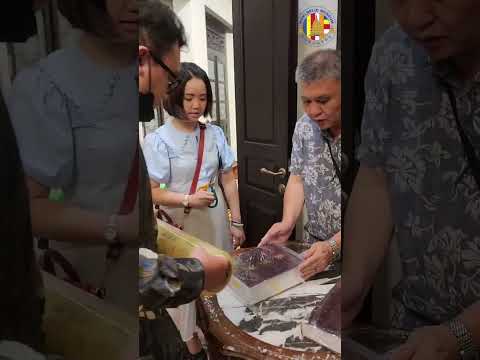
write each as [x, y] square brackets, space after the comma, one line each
[325, 133]
[444, 71]
[327, 136]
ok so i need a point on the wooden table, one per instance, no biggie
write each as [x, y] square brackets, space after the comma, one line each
[271, 331]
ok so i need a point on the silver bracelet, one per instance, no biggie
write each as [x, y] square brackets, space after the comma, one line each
[335, 252]
[236, 224]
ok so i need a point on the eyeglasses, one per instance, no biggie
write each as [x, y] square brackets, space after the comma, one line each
[174, 80]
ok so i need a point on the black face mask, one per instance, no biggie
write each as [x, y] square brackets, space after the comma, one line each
[145, 107]
[146, 102]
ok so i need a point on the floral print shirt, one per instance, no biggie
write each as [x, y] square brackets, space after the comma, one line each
[311, 160]
[409, 131]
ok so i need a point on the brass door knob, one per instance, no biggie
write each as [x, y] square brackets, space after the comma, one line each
[281, 172]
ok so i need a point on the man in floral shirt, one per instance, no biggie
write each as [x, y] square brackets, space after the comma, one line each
[417, 181]
[315, 164]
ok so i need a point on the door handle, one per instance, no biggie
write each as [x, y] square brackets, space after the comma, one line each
[281, 172]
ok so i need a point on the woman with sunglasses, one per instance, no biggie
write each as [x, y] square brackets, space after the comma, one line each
[172, 153]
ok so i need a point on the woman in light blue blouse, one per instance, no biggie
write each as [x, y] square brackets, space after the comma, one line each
[77, 131]
[171, 155]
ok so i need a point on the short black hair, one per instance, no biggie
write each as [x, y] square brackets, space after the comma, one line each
[159, 27]
[174, 102]
[87, 15]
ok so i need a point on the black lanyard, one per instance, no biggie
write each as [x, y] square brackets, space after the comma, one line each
[468, 148]
[335, 165]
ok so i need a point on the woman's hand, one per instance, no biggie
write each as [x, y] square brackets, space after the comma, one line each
[238, 236]
[201, 199]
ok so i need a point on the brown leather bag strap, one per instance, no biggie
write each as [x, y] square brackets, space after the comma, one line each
[131, 191]
[52, 257]
[198, 167]
[162, 215]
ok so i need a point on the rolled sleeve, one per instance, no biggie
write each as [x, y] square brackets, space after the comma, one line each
[225, 151]
[297, 158]
[157, 158]
[40, 118]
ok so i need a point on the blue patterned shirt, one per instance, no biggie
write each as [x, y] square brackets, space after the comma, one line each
[311, 160]
[409, 131]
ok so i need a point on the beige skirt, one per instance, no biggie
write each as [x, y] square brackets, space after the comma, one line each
[210, 225]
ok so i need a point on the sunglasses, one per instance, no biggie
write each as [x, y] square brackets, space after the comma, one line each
[174, 80]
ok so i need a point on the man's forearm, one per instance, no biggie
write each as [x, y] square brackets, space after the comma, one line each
[368, 229]
[293, 200]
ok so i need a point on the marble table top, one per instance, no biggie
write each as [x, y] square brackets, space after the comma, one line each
[277, 320]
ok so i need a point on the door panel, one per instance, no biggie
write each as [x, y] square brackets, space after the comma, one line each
[265, 61]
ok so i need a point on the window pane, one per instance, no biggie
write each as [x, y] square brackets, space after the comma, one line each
[211, 69]
[214, 111]
[212, 83]
[221, 91]
[221, 73]
[223, 111]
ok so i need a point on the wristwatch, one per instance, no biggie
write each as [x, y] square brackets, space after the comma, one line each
[111, 233]
[186, 201]
[335, 251]
[115, 246]
[464, 340]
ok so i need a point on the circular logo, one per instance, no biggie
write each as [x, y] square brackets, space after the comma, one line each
[317, 26]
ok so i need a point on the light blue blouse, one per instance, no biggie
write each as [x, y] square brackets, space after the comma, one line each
[171, 156]
[75, 131]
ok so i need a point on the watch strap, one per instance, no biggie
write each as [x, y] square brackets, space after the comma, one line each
[464, 340]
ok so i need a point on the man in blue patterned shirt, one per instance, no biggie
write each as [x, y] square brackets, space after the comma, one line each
[315, 164]
[417, 178]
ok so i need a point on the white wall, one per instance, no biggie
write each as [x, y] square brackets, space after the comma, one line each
[192, 13]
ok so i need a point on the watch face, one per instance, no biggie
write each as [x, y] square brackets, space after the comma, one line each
[110, 234]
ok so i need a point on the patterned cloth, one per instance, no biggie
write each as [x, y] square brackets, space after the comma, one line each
[178, 281]
[409, 131]
[311, 160]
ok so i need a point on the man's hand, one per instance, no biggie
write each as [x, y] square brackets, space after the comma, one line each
[426, 343]
[316, 259]
[278, 234]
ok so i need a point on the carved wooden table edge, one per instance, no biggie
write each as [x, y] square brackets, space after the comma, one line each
[229, 340]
